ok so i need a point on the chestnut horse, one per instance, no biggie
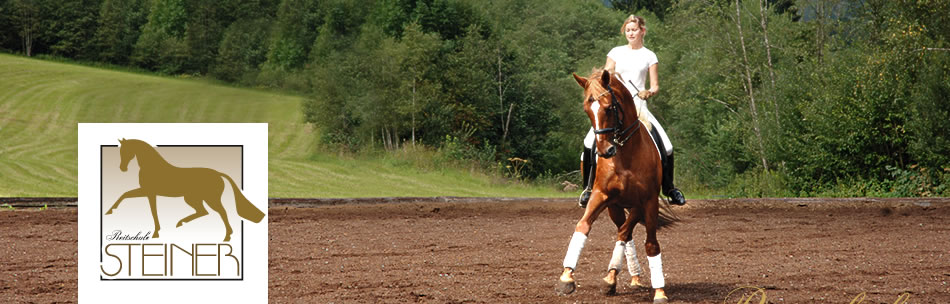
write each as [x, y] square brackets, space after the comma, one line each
[628, 179]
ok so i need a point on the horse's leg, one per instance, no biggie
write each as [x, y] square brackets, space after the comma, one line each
[215, 204]
[630, 250]
[652, 247]
[199, 210]
[151, 205]
[616, 260]
[594, 208]
[128, 194]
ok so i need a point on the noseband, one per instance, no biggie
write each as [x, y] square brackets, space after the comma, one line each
[619, 136]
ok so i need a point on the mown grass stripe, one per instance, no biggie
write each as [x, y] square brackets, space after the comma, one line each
[42, 102]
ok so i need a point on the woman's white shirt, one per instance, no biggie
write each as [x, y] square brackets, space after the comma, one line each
[633, 65]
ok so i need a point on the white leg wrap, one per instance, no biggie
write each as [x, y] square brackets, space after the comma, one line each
[633, 265]
[617, 259]
[574, 250]
[656, 271]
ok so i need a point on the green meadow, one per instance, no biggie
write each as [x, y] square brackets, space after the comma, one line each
[42, 102]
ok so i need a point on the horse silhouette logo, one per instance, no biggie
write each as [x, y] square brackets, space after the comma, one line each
[198, 186]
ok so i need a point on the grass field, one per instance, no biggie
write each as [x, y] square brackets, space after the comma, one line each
[41, 103]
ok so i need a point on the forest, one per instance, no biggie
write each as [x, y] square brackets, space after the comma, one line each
[760, 98]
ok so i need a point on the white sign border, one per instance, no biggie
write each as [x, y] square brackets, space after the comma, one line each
[252, 289]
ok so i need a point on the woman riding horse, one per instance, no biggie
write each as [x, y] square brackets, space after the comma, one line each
[627, 184]
[632, 62]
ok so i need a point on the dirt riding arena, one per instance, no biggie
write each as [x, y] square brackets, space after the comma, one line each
[797, 251]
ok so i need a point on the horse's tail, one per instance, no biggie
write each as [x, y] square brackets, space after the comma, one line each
[244, 207]
[666, 217]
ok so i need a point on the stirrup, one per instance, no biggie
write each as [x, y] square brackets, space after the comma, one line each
[585, 197]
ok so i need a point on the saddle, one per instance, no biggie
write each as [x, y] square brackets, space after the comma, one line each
[644, 117]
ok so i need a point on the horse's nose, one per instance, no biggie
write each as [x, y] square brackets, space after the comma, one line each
[611, 151]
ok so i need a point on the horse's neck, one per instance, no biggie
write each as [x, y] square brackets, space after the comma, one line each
[634, 111]
[148, 157]
[640, 139]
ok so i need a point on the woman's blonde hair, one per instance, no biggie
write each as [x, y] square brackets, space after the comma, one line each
[632, 18]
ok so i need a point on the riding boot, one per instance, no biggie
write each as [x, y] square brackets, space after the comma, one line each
[588, 169]
[676, 197]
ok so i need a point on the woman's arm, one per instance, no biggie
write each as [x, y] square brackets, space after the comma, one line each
[654, 80]
[654, 84]
[610, 65]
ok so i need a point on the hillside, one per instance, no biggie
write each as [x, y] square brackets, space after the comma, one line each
[41, 103]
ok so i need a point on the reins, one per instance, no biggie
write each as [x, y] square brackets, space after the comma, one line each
[618, 115]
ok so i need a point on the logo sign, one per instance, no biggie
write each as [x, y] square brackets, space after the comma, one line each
[172, 212]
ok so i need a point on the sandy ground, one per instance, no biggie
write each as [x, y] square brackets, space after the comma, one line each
[495, 251]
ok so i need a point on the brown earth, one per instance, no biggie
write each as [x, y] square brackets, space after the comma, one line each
[797, 251]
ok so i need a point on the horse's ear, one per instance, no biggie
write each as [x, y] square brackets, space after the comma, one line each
[580, 80]
[605, 79]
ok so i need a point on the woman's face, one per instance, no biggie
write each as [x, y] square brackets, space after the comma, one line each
[632, 31]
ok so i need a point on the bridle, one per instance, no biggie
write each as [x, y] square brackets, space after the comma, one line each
[619, 137]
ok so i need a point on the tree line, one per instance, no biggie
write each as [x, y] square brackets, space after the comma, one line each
[765, 97]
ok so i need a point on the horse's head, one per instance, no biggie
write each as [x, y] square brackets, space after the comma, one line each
[603, 98]
[126, 153]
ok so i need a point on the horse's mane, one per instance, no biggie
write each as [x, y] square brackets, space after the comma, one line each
[615, 82]
[139, 144]
[595, 72]
[143, 147]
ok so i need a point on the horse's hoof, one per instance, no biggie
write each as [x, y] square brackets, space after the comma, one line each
[635, 283]
[227, 238]
[611, 286]
[155, 235]
[109, 212]
[179, 224]
[660, 297]
[566, 288]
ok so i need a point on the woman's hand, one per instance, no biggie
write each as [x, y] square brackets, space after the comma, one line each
[645, 94]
